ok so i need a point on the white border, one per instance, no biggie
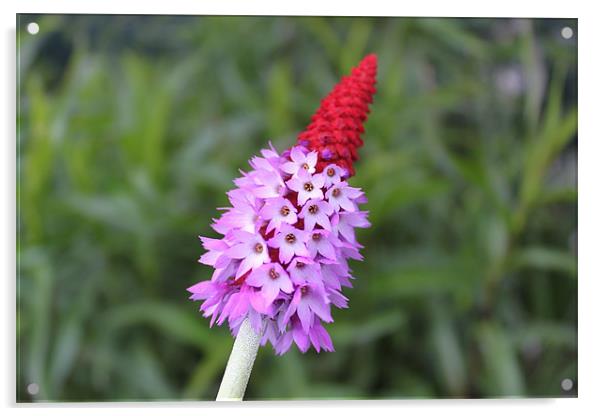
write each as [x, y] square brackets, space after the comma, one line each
[590, 185]
[460, 8]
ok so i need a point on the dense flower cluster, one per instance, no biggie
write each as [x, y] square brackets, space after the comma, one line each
[283, 259]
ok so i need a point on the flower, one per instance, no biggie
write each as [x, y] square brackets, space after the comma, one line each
[316, 211]
[300, 161]
[290, 241]
[271, 184]
[282, 259]
[322, 242]
[277, 211]
[303, 269]
[251, 248]
[340, 195]
[345, 222]
[307, 186]
[241, 215]
[272, 279]
[309, 300]
[334, 174]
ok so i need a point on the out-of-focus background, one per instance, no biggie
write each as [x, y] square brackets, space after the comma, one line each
[131, 129]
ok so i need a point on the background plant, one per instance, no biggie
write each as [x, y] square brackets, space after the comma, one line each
[131, 128]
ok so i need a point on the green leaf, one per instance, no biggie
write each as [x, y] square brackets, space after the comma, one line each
[279, 100]
[449, 32]
[503, 376]
[549, 333]
[367, 331]
[545, 258]
[181, 324]
[450, 360]
[206, 371]
[355, 43]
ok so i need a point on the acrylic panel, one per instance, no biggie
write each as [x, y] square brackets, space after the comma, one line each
[437, 157]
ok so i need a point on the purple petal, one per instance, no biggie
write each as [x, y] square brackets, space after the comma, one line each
[301, 339]
[295, 184]
[292, 307]
[326, 249]
[297, 155]
[202, 288]
[285, 284]
[345, 203]
[324, 221]
[319, 307]
[318, 181]
[304, 314]
[269, 291]
[257, 278]
[325, 340]
[312, 159]
[238, 251]
[286, 253]
[284, 343]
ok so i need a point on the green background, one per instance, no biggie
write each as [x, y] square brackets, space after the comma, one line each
[131, 129]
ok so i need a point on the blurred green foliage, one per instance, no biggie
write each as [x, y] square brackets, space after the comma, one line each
[131, 129]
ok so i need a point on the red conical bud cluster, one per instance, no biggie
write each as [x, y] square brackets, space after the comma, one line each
[335, 129]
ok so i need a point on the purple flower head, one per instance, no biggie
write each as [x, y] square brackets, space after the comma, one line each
[282, 259]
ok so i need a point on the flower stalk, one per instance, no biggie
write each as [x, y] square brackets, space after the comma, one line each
[238, 370]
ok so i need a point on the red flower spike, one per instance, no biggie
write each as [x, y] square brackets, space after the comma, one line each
[336, 127]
